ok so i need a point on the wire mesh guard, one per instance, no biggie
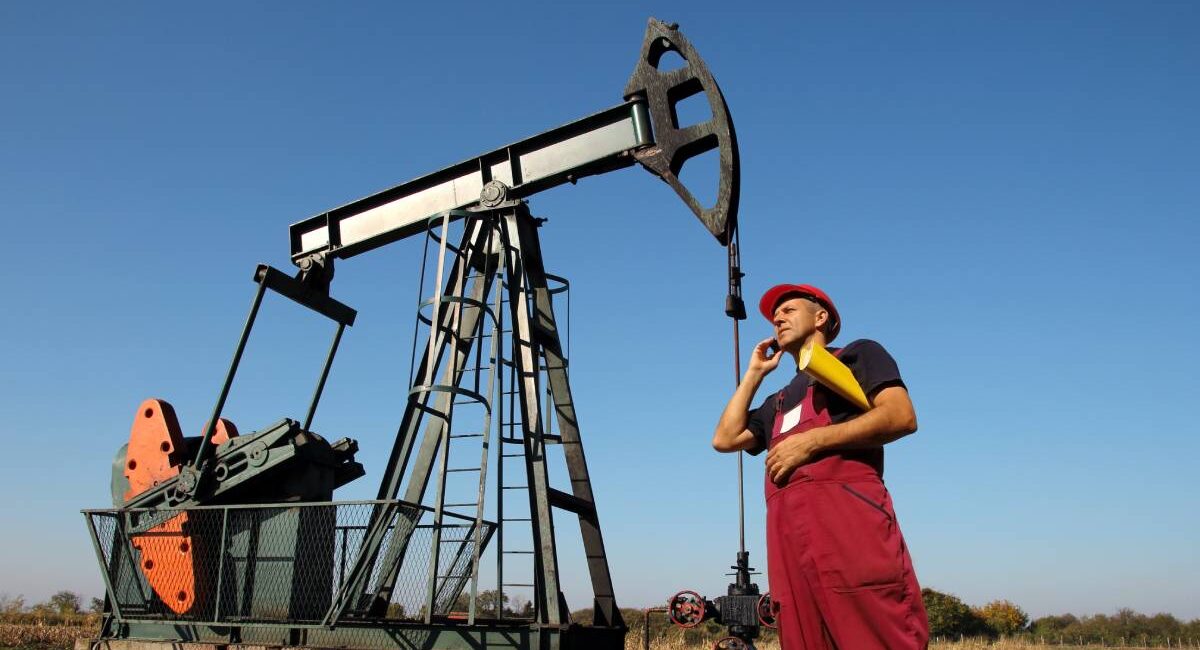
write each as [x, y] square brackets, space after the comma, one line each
[276, 563]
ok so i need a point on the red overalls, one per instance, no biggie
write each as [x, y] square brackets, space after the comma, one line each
[838, 567]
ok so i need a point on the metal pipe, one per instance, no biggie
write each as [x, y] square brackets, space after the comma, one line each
[108, 585]
[737, 358]
[444, 437]
[646, 626]
[202, 452]
[435, 316]
[486, 431]
[221, 563]
[342, 558]
[735, 308]
[500, 428]
[312, 407]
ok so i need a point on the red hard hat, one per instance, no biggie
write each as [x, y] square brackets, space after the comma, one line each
[771, 298]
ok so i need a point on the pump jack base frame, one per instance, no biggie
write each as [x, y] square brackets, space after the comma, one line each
[536, 343]
[376, 635]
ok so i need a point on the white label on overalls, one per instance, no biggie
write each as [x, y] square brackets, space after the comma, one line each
[791, 418]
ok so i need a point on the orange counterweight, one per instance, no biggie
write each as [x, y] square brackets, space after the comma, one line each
[157, 452]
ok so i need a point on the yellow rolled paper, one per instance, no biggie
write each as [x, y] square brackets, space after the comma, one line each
[819, 364]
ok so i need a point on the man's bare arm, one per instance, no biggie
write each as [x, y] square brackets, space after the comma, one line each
[731, 433]
[891, 418]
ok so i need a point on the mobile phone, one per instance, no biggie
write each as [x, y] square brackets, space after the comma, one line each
[773, 348]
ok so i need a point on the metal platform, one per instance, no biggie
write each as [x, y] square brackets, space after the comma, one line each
[266, 576]
[273, 565]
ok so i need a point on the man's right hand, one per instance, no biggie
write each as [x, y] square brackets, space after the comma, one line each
[732, 433]
[764, 359]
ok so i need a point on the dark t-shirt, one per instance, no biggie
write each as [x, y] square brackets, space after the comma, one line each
[872, 366]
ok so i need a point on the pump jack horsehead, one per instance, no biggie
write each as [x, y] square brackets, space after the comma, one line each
[231, 538]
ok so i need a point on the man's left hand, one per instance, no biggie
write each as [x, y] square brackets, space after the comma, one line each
[792, 452]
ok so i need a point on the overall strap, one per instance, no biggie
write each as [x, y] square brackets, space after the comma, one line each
[779, 396]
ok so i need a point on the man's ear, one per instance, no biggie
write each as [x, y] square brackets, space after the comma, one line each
[822, 318]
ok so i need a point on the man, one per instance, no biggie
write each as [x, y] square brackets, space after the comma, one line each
[838, 567]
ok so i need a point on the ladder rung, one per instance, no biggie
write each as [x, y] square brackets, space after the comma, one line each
[552, 439]
[459, 505]
[517, 584]
[518, 552]
[522, 454]
[463, 469]
[511, 440]
[516, 519]
[514, 487]
[466, 435]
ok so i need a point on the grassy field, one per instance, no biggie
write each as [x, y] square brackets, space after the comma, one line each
[47, 637]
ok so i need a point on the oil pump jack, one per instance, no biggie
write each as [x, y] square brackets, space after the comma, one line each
[231, 538]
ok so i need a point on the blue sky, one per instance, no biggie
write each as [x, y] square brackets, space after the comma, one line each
[1003, 194]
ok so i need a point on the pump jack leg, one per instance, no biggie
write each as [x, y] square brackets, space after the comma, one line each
[520, 239]
[581, 501]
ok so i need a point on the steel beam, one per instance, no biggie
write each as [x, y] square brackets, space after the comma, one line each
[595, 144]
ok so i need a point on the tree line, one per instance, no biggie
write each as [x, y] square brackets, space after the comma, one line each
[950, 617]
[67, 607]
[64, 607]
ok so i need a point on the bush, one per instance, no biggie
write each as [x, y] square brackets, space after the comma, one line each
[951, 617]
[1003, 618]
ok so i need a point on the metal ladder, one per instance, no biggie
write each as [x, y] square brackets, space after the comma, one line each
[503, 238]
[511, 435]
[540, 362]
[446, 580]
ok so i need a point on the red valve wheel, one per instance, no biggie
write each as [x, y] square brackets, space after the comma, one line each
[731, 643]
[686, 609]
[768, 612]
